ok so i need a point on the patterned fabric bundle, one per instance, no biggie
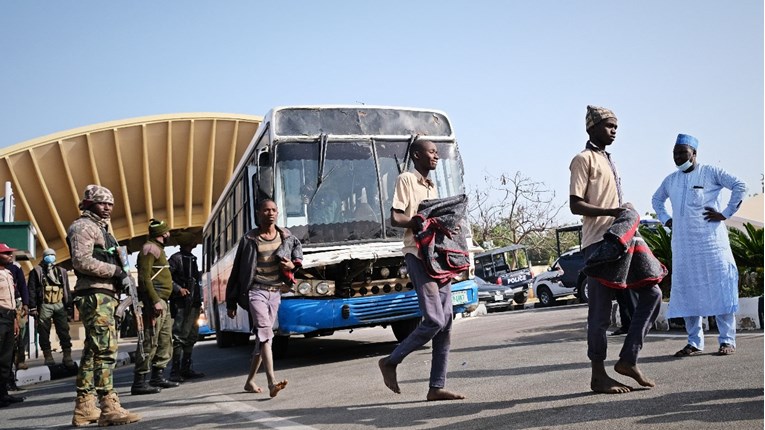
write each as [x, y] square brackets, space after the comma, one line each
[623, 259]
[441, 240]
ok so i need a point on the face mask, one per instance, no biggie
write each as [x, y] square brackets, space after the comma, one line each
[50, 259]
[685, 166]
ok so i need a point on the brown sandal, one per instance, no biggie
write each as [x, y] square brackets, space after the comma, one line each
[726, 349]
[687, 351]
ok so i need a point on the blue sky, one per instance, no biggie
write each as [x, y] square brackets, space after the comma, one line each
[514, 76]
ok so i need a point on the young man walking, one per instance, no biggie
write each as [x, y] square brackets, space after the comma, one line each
[596, 194]
[256, 284]
[434, 297]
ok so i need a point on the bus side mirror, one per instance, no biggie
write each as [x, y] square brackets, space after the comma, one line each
[265, 175]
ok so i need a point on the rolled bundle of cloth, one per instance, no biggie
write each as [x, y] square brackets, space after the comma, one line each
[441, 238]
[623, 259]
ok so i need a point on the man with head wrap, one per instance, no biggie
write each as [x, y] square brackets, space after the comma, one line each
[99, 279]
[704, 273]
[155, 284]
[596, 194]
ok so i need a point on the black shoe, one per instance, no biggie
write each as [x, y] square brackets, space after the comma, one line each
[619, 331]
[158, 380]
[140, 386]
[11, 399]
[192, 374]
[175, 377]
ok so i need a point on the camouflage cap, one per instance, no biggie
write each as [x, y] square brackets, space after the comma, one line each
[96, 194]
[597, 114]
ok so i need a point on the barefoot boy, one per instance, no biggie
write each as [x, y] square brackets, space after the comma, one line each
[596, 194]
[435, 299]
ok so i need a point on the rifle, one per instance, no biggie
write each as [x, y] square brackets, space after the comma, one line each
[132, 301]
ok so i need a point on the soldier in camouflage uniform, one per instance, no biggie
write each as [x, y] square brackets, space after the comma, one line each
[155, 284]
[99, 279]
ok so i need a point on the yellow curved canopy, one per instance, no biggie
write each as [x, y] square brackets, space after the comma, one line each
[170, 167]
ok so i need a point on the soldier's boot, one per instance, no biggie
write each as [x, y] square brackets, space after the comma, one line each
[85, 410]
[68, 362]
[113, 414]
[158, 379]
[140, 386]
[49, 361]
[187, 371]
[175, 370]
[21, 363]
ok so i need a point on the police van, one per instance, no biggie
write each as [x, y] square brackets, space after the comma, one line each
[508, 266]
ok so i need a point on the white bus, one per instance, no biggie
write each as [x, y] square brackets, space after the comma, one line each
[331, 170]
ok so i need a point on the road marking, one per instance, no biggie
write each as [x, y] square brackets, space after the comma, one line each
[226, 404]
[739, 335]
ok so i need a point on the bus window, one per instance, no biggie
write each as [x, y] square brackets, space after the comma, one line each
[347, 197]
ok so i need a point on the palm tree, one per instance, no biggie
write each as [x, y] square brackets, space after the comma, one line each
[747, 247]
[660, 242]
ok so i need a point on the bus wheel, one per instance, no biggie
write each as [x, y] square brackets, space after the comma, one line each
[280, 346]
[402, 329]
[223, 339]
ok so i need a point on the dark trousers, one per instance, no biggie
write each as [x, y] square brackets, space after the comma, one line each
[7, 341]
[627, 300]
[599, 318]
[436, 306]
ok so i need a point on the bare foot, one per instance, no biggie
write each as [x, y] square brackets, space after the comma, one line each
[442, 394]
[607, 385]
[389, 375]
[631, 370]
[273, 390]
[250, 387]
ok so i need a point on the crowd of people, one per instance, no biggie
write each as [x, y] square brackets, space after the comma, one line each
[268, 256]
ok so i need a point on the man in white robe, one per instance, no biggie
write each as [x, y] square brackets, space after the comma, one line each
[704, 273]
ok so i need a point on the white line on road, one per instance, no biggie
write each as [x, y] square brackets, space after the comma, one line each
[227, 405]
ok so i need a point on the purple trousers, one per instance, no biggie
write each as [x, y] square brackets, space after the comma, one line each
[264, 309]
[436, 306]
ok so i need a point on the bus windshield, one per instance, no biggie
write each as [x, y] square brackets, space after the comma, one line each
[352, 199]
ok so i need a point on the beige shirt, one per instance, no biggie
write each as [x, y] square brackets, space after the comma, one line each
[411, 189]
[7, 290]
[593, 181]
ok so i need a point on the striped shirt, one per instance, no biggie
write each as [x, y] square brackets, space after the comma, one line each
[267, 269]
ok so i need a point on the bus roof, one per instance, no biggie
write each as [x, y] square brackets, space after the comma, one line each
[336, 120]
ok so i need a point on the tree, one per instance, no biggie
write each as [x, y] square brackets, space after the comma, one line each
[747, 247]
[512, 209]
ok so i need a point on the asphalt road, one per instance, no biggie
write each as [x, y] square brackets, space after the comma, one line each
[520, 370]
